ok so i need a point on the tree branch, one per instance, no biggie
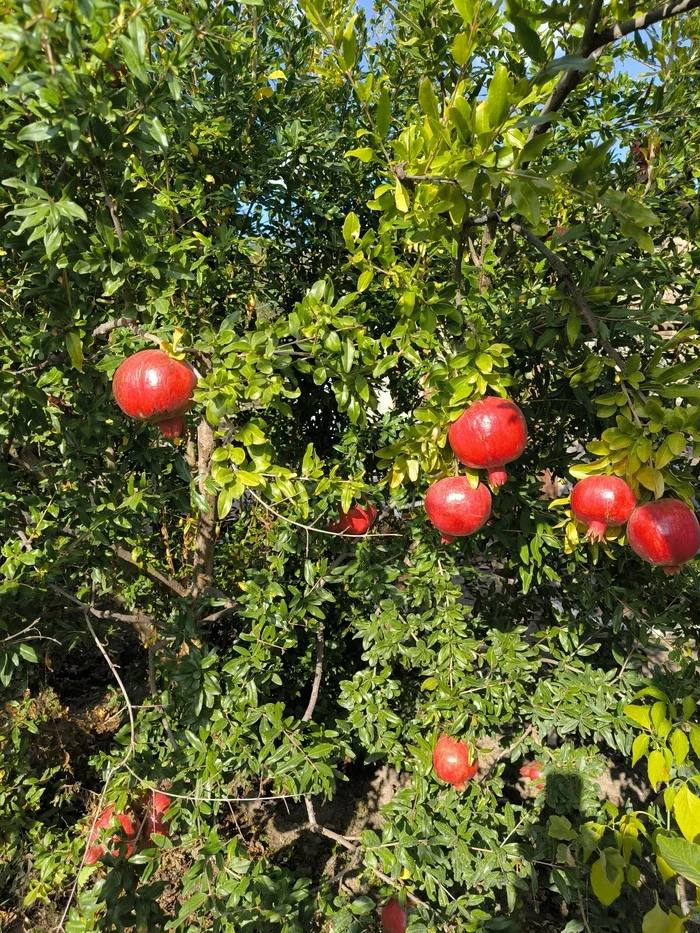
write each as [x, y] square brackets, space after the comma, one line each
[109, 326]
[145, 626]
[151, 572]
[111, 207]
[318, 675]
[205, 541]
[316, 827]
[644, 21]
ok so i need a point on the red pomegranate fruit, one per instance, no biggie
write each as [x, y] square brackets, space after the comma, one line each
[156, 819]
[451, 762]
[490, 434]
[151, 386]
[393, 917]
[456, 508]
[665, 533]
[532, 773]
[599, 501]
[357, 521]
[108, 819]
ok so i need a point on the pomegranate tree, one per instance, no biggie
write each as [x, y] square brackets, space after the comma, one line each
[153, 387]
[106, 820]
[599, 501]
[452, 762]
[393, 917]
[665, 533]
[357, 521]
[491, 433]
[456, 508]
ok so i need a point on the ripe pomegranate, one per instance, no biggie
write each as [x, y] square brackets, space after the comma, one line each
[489, 434]
[664, 533]
[357, 521]
[533, 772]
[455, 508]
[151, 386]
[393, 917]
[451, 761]
[105, 820]
[156, 819]
[599, 501]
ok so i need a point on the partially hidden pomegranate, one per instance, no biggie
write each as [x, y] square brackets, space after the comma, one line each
[452, 762]
[106, 820]
[665, 533]
[156, 818]
[151, 386]
[393, 917]
[491, 433]
[532, 773]
[456, 508]
[357, 521]
[599, 501]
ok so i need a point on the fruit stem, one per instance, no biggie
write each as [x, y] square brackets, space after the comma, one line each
[446, 539]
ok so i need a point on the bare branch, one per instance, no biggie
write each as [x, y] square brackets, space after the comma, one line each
[151, 572]
[205, 541]
[316, 827]
[644, 21]
[144, 625]
[318, 675]
[109, 326]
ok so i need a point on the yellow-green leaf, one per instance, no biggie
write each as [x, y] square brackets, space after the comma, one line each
[639, 714]
[640, 747]
[665, 869]
[686, 809]
[681, 856]
[604, 889]
[402, 197]
[461, 49]
[680, 746]
[695, 738]
[657, 770]
[499, 88]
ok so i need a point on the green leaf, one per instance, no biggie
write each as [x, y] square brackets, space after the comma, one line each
[525, 199]
[37, 132]
[364, 280]
[428, 100]
[461, 49]
[680, 855]
[695, 738]
[158, 132]
[497, 96]
[348, 355]
[224, 502]
[351, 229]
[606, 889]
[382, 117]
[74, 345]
[591, 163]
[686, 809]
[528, 39]
[560, 828]
[465, 8]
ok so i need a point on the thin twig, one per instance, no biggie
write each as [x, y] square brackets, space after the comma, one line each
[321, 531]
[145, 625]
[110, 774]
[318, 675]
[316, 827]
[111, 207]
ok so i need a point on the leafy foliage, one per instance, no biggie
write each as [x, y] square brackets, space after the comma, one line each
[352, 227]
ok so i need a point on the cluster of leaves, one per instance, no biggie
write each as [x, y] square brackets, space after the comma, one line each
[352, 229]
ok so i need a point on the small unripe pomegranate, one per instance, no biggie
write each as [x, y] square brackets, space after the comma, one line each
[357, 521]
[490, 434]
[151, 386]
[599, 501]
[455, 508]
[532, 772]
[108, 818]
[393, 917]
[664, 533]
[451, 762]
